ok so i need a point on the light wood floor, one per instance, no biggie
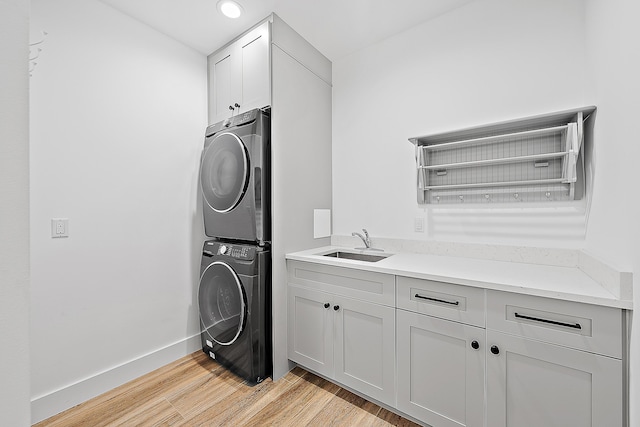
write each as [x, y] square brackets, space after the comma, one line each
[197, 391]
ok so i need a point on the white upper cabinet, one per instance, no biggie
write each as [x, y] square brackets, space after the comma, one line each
[239, 75]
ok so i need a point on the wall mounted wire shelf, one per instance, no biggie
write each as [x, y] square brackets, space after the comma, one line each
[525, 160]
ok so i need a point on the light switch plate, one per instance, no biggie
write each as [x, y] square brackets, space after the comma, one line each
[59, 227]
[418, 225]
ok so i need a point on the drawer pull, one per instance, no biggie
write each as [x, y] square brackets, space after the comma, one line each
[437, 300]
[553, 322]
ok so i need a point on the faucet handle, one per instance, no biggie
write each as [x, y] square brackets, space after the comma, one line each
[366, 233]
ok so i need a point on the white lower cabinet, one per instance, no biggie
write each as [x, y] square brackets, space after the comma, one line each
[553, 363]
[310, 332]
[466, 356]
[344, 339]
[532, 384]
[364, 348]
[441, 370]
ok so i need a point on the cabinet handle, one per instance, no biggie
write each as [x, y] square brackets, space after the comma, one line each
[553, 322]
[336, 307]
[326, 305]
[495, 349]
[231, 107]
[437, 300]
[475, 345]
[236, 105]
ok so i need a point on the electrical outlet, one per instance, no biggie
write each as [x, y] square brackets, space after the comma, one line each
[59, 227]
[418, 225]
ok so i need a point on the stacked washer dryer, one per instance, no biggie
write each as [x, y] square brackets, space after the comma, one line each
[234, 295]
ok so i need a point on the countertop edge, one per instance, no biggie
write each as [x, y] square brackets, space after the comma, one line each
[311, 255]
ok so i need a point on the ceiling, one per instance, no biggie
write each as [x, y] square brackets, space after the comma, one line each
[336, 28]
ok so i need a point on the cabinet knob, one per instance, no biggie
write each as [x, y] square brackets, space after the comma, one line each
[336, 307]
[236, 105]
[326, 305]
[495, 349]
[475, 345]
[231, 107]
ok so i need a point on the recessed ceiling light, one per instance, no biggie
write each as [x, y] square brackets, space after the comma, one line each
[230, 8]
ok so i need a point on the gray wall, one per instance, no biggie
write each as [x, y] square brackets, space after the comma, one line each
[117, 118]
[14, 213]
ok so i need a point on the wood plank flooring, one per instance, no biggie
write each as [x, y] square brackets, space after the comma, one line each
[197, 391]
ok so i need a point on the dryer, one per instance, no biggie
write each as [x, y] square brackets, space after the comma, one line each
[235, 178]
[234, 300]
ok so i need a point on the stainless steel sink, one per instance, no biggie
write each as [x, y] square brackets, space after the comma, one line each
[356, 256]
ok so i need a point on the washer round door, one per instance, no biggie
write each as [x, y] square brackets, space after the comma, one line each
[222, 303]
[225, 172]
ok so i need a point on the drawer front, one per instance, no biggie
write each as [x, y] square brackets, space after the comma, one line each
[586, 327]
[361, 284]
[444, 300]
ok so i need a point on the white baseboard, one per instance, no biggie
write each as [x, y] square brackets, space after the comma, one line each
[50, 404]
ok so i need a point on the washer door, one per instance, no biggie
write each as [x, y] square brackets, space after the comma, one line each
[222, 303]
[225, 172]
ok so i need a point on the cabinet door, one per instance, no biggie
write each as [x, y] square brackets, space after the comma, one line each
[222, 90]
[310, 329]
[240, 74]
[254, 75]
[532, 384]
[440, 374]
[365, 348]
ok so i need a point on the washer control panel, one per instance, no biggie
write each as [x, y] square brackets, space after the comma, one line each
[231, 250]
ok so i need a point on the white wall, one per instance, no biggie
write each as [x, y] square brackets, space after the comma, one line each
[488, 61]
[14, 213]
[118, 113]
[614, 230]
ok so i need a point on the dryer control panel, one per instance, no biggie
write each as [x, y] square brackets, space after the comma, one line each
[237, 120]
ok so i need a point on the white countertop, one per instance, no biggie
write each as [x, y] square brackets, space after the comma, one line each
[566, 283]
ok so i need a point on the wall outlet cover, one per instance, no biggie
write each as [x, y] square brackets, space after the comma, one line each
[59, 227]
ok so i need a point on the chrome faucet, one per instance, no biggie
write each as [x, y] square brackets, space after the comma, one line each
[366, 240]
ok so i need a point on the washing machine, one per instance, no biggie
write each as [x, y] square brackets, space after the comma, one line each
[234, 300]
[235, 178]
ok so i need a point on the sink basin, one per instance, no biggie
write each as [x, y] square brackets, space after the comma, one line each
[356, 256]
